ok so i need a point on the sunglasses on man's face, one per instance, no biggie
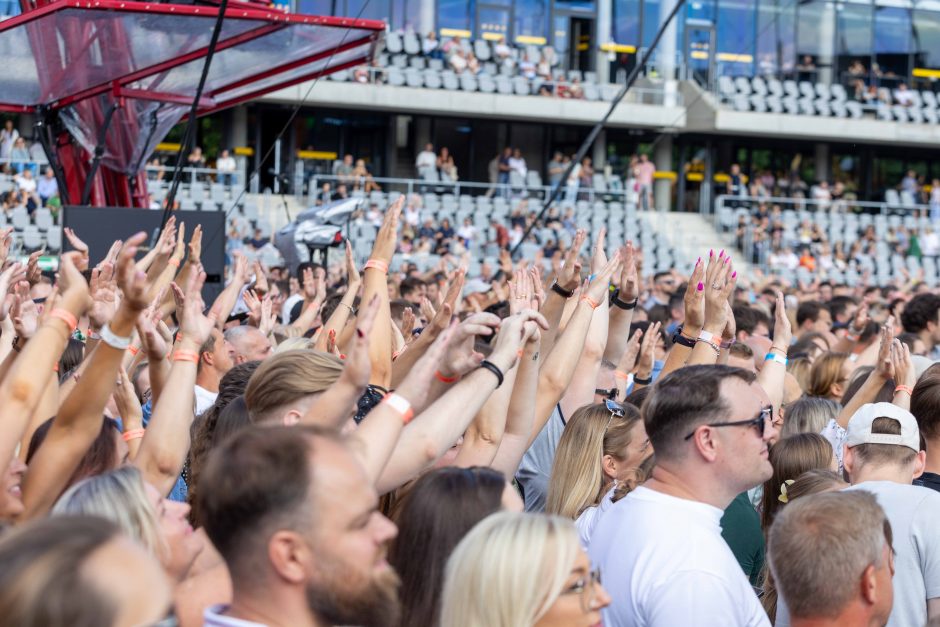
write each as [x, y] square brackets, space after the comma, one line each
[758, 422]
[610, 394]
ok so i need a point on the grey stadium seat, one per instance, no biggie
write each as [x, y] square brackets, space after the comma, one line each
[807, 106]
[758, 103]
[900, 113]
[393, 42]
[741, 103]
[743, 85]
[411, 43]
[449, 79]
[468, 82]
[503, 85]
[791, 88]
[807, 90]
[726, 87]
[838, 108]
[481, 48]
[929, 98]
[775, 87]
[916, 115]
[413, 78]
[774, 104]
[520, 85]
[486, 84]
[591, 92]
[758, 86]
[432, 79]
[838, 93]
[790, 105]
[822, 108]
[930, 116]
[822, 90]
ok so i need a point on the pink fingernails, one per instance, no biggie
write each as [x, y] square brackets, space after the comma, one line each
[698, 261]
[734, 274]
[728, 260]
[721, 254]
[701, 286]
[711, 252]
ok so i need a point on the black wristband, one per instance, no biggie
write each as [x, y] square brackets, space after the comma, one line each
[494, 369]
[619, 303]
[560, 290]
[678, 338]
[646, 381]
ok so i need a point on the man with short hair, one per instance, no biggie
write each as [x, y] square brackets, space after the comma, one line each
[740, 355]
[831, 555]
[812, 316]
[925, 400]
[710, 427]
[248, 344]
[413, 290]
[295, 517]
[285, 386]
[882, 456]
[921, 315]
[215, 359]
[426, 160]
[664, 286]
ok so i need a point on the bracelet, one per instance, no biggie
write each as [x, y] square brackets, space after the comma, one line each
[782, 351]
[638, 380]
[707, 336]
[620, 374]
[774, 357]
[621, 304]
[904, 388]
[488, 365]
[114, 341]
[349, 307]
[133, 434]
[186, 356]
[560, 290]
[443, 379]
[710, 344]
[173, 262]
[590, 301]
[378, 264]
[67, 317]
[15, 345]
[683, 340]
[400, 404]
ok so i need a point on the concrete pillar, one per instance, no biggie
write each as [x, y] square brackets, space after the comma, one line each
[666, 56]
[821, 162]
[238, 130]
[662, 159]
[422, 133]
[599, 153]
[426, 16]
[827, 50]
[605, 20]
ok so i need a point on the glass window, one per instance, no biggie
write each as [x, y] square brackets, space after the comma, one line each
[853, 42]
[776, 44]
[454, 18]
[369, 10]
[494, 23]
[625, 28]
[893, 44]
[588, 6]
[561, 36]
[650, 21]
[531, 17]
[406, 15]
[809, 40]
[319, 7]
[736, 22]
[926, 49]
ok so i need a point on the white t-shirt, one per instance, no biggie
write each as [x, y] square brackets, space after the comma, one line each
[426, 159]
[204, 399]
[587, 521]
[913, 512]
[666, 564]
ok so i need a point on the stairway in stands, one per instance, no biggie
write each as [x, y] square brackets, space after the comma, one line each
[695, 234]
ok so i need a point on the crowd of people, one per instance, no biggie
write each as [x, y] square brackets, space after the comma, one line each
[346, 445]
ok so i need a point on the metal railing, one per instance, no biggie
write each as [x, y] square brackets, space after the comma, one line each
[568, 196]
[755, 243]
[195, 175]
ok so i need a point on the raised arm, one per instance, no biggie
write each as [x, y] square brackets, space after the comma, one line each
[374, 285]
[883, 372]
[644, 367]
[567, 280]
[623, 305]
[155, 340]
[904, 375]
[773, 374]
[21, 388]
[225, 302]
[166, 443]
[719, 283]
[694, 320]
[343, 311]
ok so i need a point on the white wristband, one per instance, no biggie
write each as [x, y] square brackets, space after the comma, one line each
[400, 404]
[708, 337]
[114, 341]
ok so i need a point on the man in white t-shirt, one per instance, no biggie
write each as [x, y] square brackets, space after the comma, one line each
[660, 548]
[883, 456]
[426, 160]
[215, 359]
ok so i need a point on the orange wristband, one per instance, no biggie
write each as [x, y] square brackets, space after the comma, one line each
[590, 301]
[401, 405]
[186, 356]
[67, 317]
[174, 262]
[619, 374]
[378, 264]
[440, 377]
[904, 388]
[133, 434]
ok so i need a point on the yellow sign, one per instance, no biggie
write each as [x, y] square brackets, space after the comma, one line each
[614, 47]
[317, 155]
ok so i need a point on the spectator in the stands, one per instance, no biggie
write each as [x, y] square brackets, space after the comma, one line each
[426, 160]
[586, 176]
[500, 233]
[20, 156]
[467, 233]
[664, 286]
[909, 182]
[527, 67]
[645, 170]
[343, 170]
[806, 69]
[196, 159]
[47, 186]
[225, 164]
[517, 163]
[857, 68]
[921, 315]
[458, 61]
[452, 45]
[504, 168]
[362, 178]
[575, 90]
[812, 317]
[473, 64]
[502, 51]
[8, 137]
[258, 240]
[445, 163]
[431, 46]
[904, 96]
[556, 169]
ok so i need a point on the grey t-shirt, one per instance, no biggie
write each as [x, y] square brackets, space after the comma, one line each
[913, 512]
[536, 467]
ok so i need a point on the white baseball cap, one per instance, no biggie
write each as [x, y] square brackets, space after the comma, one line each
[859, 430]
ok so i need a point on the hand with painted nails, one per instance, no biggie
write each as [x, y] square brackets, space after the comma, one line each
[718, 285]
[695, 301]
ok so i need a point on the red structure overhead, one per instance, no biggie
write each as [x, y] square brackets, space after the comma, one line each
[127, 72]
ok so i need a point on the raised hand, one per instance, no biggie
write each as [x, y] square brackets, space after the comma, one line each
[885, 366]
[598, 289]
[599, 255]
[76, 243]
[569, 276]
[387, 237]
[33, 271]
[195, 326]
[860, 321]
[104, 296]
[461, 358]
[166, 244]
[152, 341]
[408, 324]
[195, 245]
[512, 335]
[629, 358]
[353, 278]
[135, 288]
[538, 290]
[719, 282]
[25, 313]
[783, 333]
[8, 278]
[694, 301]
[261, 279]
[647, 357]
[268, 320]
[357, 368]
[629, 279]
[902, 365]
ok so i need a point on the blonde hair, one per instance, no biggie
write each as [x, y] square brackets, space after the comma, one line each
[578, 479]
[287, 377]
[826, 372]
[508, 571]
[118, 496]
[295, 344]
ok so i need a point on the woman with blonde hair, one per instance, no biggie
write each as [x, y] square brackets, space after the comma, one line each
[829, 376]
[808, 415]
[521, 570]
[601, 445]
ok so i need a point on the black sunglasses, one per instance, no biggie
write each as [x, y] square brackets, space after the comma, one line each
[610, 394]
[759, 422]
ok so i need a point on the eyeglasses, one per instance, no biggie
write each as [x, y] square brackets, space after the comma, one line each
[759, 422]
[586, 587]
[608, 394]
